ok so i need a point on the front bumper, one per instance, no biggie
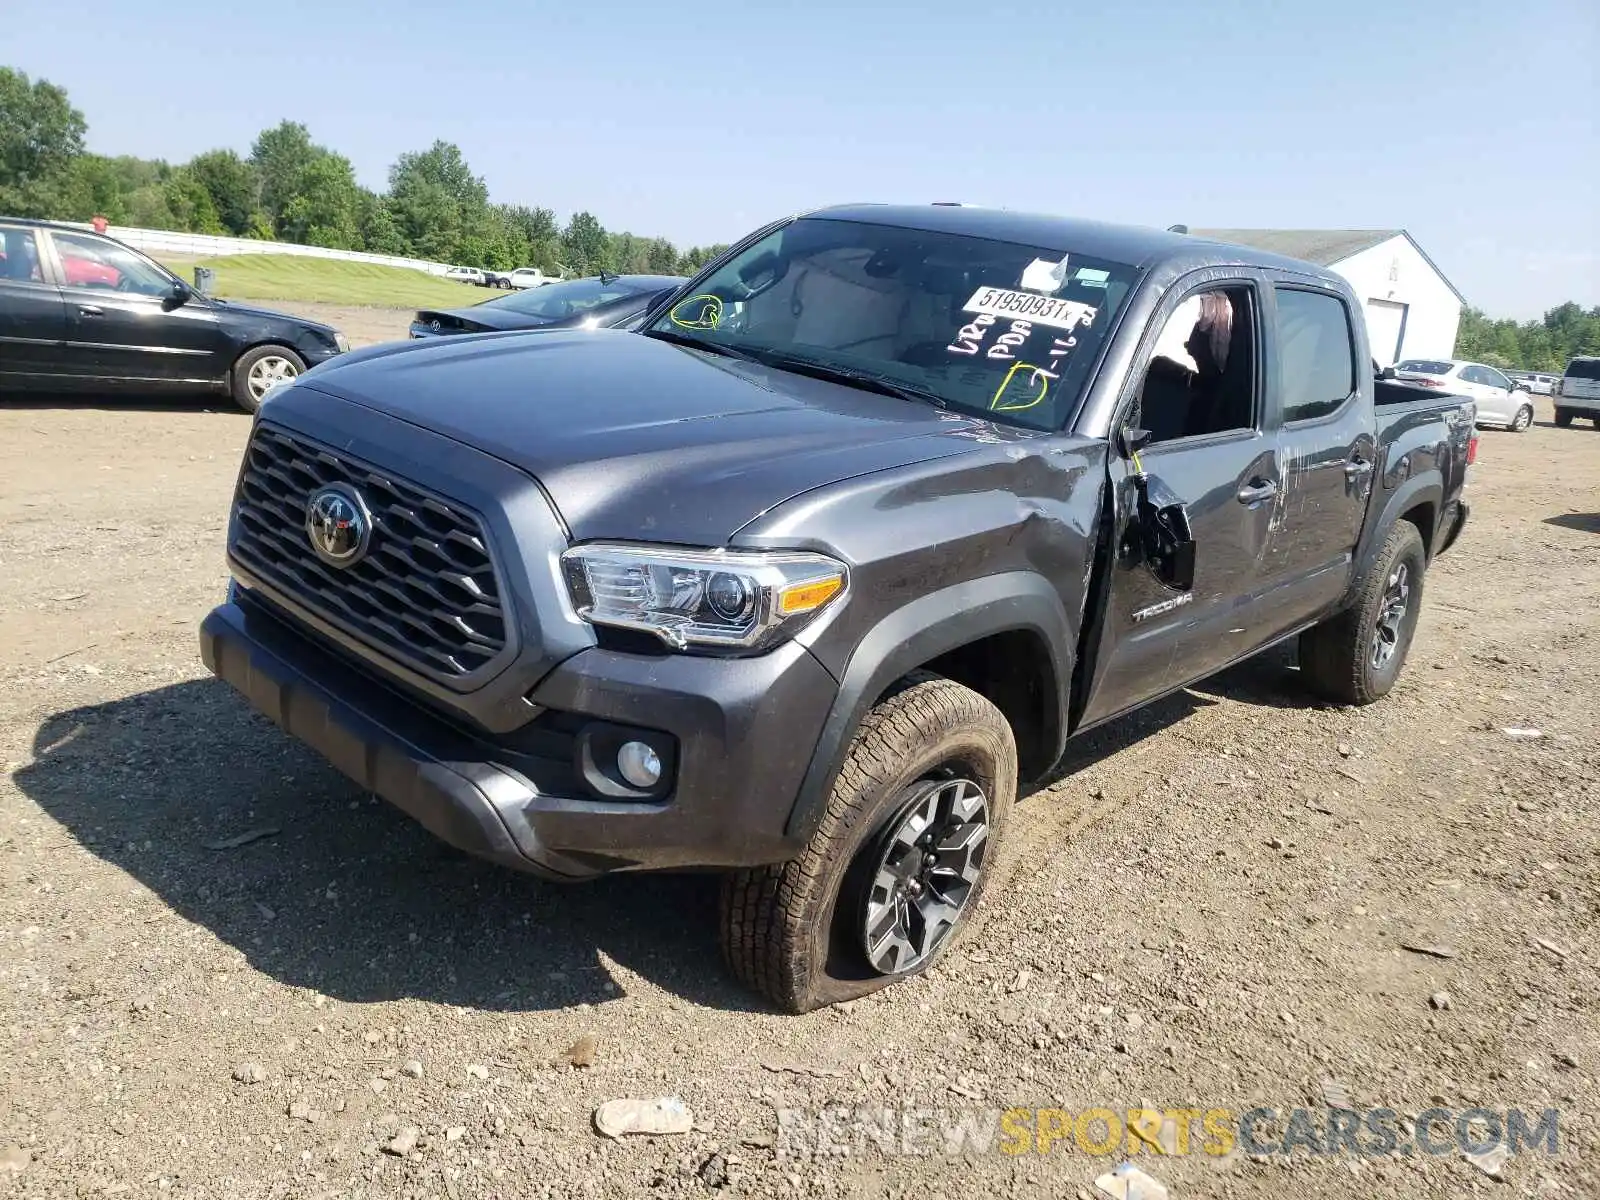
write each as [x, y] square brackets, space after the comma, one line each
[745, 731]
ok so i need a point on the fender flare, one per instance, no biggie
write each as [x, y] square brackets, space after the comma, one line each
[924, 629]
[1427, 488]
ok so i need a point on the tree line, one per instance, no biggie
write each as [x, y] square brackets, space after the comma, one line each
[289, 188]
[1543, 345]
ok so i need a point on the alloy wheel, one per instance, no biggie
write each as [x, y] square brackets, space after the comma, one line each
[268, 372]
[1391, 617]
[925, 875]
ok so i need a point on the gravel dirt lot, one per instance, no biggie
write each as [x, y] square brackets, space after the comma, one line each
[1208, 909]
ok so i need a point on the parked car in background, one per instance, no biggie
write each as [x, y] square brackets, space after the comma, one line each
[465, 275]
[1578, 394]
[1537, 382]
[80, 311]
[1500, 400]
[532, 277]
[603, 302]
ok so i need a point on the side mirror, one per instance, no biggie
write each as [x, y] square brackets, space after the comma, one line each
[177, 295]
[1388, 373]
[1164, 533]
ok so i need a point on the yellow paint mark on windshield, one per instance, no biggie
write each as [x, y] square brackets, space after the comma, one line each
[710, 315]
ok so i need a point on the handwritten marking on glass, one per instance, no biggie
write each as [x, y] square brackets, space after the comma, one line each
[1035, 388]
[969, 338]
[709, 315]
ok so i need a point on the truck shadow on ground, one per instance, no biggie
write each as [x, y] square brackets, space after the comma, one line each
[1582, 522]
[346, 896]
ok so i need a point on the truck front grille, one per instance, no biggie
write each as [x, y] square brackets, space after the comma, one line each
[426, 593]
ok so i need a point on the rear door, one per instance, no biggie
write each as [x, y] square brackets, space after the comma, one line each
[122, 323]
[1506, 398]
[1321, 409]
[1492, 398]
[33, 320]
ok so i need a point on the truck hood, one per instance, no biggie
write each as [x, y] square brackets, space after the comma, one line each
[636, 438]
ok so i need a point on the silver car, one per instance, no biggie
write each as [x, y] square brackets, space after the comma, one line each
[1499, 400]
[1578, 394]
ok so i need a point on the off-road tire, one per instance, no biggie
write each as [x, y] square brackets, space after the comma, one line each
[1563, 417]
[784, 932]
[1336, 656]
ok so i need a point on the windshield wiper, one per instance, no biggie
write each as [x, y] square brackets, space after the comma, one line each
[866, 380]
[694, 343]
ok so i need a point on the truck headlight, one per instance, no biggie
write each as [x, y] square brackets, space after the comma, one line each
[733, 599]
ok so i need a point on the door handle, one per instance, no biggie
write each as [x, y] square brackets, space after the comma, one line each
[91, 310]
[1257, 490]
[1356, 468]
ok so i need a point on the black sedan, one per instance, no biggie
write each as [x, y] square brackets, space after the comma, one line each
[600, 302]
[83, 312]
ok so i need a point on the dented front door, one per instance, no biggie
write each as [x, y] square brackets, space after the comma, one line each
[1154, 637]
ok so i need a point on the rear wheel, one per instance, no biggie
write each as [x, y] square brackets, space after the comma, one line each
[1355, 657]
[261, 369]
[899, 862]
[1524, 418]
[1563, 417]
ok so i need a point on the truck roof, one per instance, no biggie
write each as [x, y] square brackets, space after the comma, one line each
[1136, 245]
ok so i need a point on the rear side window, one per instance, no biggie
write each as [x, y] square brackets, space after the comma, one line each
[19, 256]
[1316, 352]
[1584, 368]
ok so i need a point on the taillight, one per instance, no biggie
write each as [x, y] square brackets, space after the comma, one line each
[1472, 449]
[1429, 382]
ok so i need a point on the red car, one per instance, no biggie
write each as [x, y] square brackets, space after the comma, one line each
[86, 272]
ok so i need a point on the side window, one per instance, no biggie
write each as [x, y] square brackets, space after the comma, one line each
[19, 257]
[1473, 375]
[1202, 374]
[90, 262]
[1317, 354]
[1497, 380]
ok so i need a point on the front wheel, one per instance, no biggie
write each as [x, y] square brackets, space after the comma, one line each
[259, 370]
[898, 863]
[1524, 418]
[1355, 657]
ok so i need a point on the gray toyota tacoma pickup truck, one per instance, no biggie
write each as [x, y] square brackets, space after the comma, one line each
[807, 577]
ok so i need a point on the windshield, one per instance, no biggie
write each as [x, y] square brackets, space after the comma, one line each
[558, 301]
[992, 328]
[1424, 366]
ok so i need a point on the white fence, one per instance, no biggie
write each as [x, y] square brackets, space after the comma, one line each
[204, 245]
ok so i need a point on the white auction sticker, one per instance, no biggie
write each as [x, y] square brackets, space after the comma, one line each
[1025, 306]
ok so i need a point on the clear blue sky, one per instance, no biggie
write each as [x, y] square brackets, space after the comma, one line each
[1472, 123]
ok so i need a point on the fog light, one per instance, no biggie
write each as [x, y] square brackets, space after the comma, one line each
[639, 764]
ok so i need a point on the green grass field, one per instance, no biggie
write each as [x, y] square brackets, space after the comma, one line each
[329, 281]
